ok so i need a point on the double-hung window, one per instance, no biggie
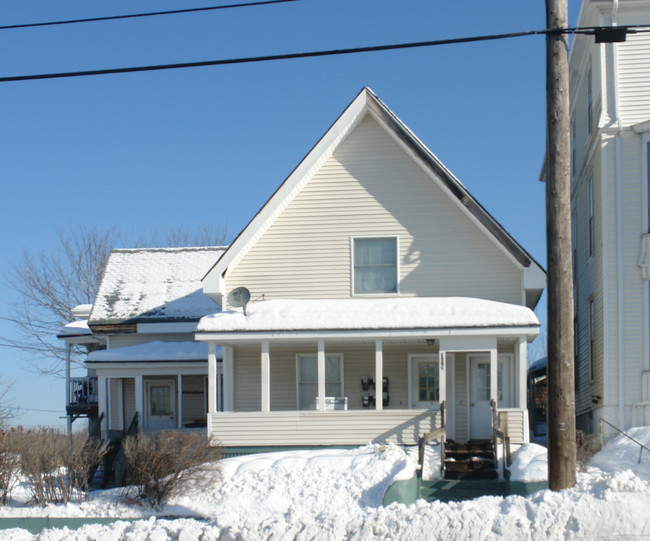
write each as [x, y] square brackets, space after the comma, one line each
[308, 378]
[375, 265]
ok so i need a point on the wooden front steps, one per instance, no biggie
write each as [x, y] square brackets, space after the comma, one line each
[472, 460]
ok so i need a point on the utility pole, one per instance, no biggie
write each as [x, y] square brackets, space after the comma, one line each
[561, 392]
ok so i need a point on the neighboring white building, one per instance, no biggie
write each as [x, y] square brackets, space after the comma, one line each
[144, 317]
[371, 262]
[610, 145]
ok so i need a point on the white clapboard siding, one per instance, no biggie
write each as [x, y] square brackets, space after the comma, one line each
[515, 423]
[371, 187]
[634, 74]
[329, 428]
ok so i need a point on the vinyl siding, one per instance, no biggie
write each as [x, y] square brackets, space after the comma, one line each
[371, 187]
[358, 361]
[123, 340]
[330, 428]
[634, 71]
[590, 272]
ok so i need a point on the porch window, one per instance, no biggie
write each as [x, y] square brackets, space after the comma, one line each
[161, 400]
[308, 379]
[428, 382]
[375, 265]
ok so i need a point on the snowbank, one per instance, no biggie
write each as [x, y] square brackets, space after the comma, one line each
[336, 494]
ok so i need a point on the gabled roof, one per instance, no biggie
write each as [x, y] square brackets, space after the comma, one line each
[365, 103]
[153, 285]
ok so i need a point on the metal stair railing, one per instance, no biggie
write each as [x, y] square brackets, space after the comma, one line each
[499, 434]
[602, 440]
[438, 434]
[119, 463]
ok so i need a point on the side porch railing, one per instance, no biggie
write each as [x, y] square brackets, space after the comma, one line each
[438, 434]
[83, 391]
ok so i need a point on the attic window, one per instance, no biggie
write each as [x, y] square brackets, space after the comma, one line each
[375, 265]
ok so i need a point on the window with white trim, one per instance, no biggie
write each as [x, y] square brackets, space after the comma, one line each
[573, 147]
[592, 338]
[308, 378]
[375, 265]
[589, 99]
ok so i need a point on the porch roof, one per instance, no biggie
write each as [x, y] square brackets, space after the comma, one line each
[154, 351]
[384, 314]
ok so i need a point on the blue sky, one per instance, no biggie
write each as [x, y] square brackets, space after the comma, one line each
[154, 151]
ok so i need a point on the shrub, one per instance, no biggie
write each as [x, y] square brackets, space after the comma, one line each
[9, 464]
[585, 449]
[161, 465]
[56, 467]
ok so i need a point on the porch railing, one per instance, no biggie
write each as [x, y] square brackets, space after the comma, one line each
[602, 437]
[500, 432]
[83, 391]
[438, 434]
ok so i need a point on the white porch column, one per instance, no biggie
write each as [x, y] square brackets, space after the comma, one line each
[102, 403]
[67, 387]
[494, 367]
[379, 376]
[228, 378]
[179, 407]
[266, 377]
[442, 376]
[521, 360]
[321, 376]
[139, 401]
[212, 378]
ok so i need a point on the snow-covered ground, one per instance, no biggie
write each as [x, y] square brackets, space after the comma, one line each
[337, 494]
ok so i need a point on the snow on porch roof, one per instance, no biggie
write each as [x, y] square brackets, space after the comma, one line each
[154, 351]
[358, 314]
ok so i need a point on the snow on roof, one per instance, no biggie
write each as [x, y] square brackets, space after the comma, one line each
[154, 351]
[344, 314]
[75, 328]
[539, 363]
[154, 285]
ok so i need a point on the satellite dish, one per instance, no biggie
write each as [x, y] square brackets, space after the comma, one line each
[239, 297]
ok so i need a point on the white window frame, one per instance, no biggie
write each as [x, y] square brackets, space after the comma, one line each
[327, 354]
[573, 147]
[353, 292]
[589, 100]
[592, 332]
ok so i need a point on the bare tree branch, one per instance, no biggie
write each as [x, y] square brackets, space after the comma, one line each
[51, 283]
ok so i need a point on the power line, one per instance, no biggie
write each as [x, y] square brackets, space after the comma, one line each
[149, 14]
[311, 54]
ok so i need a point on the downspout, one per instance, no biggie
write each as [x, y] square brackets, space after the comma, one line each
[619, 230]
[68, 346]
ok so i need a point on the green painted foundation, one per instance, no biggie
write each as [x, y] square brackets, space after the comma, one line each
[451, 490]
[230, 452]
[36, 525]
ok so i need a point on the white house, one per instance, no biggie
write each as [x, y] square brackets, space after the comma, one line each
[610, 145]
[371, 263]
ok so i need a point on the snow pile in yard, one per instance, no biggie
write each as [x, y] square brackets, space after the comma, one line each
[336, 494]
[529, 464]
[402, 313]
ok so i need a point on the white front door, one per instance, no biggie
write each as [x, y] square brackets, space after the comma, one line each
[480, 413]
[425, 381]
[161, 404]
